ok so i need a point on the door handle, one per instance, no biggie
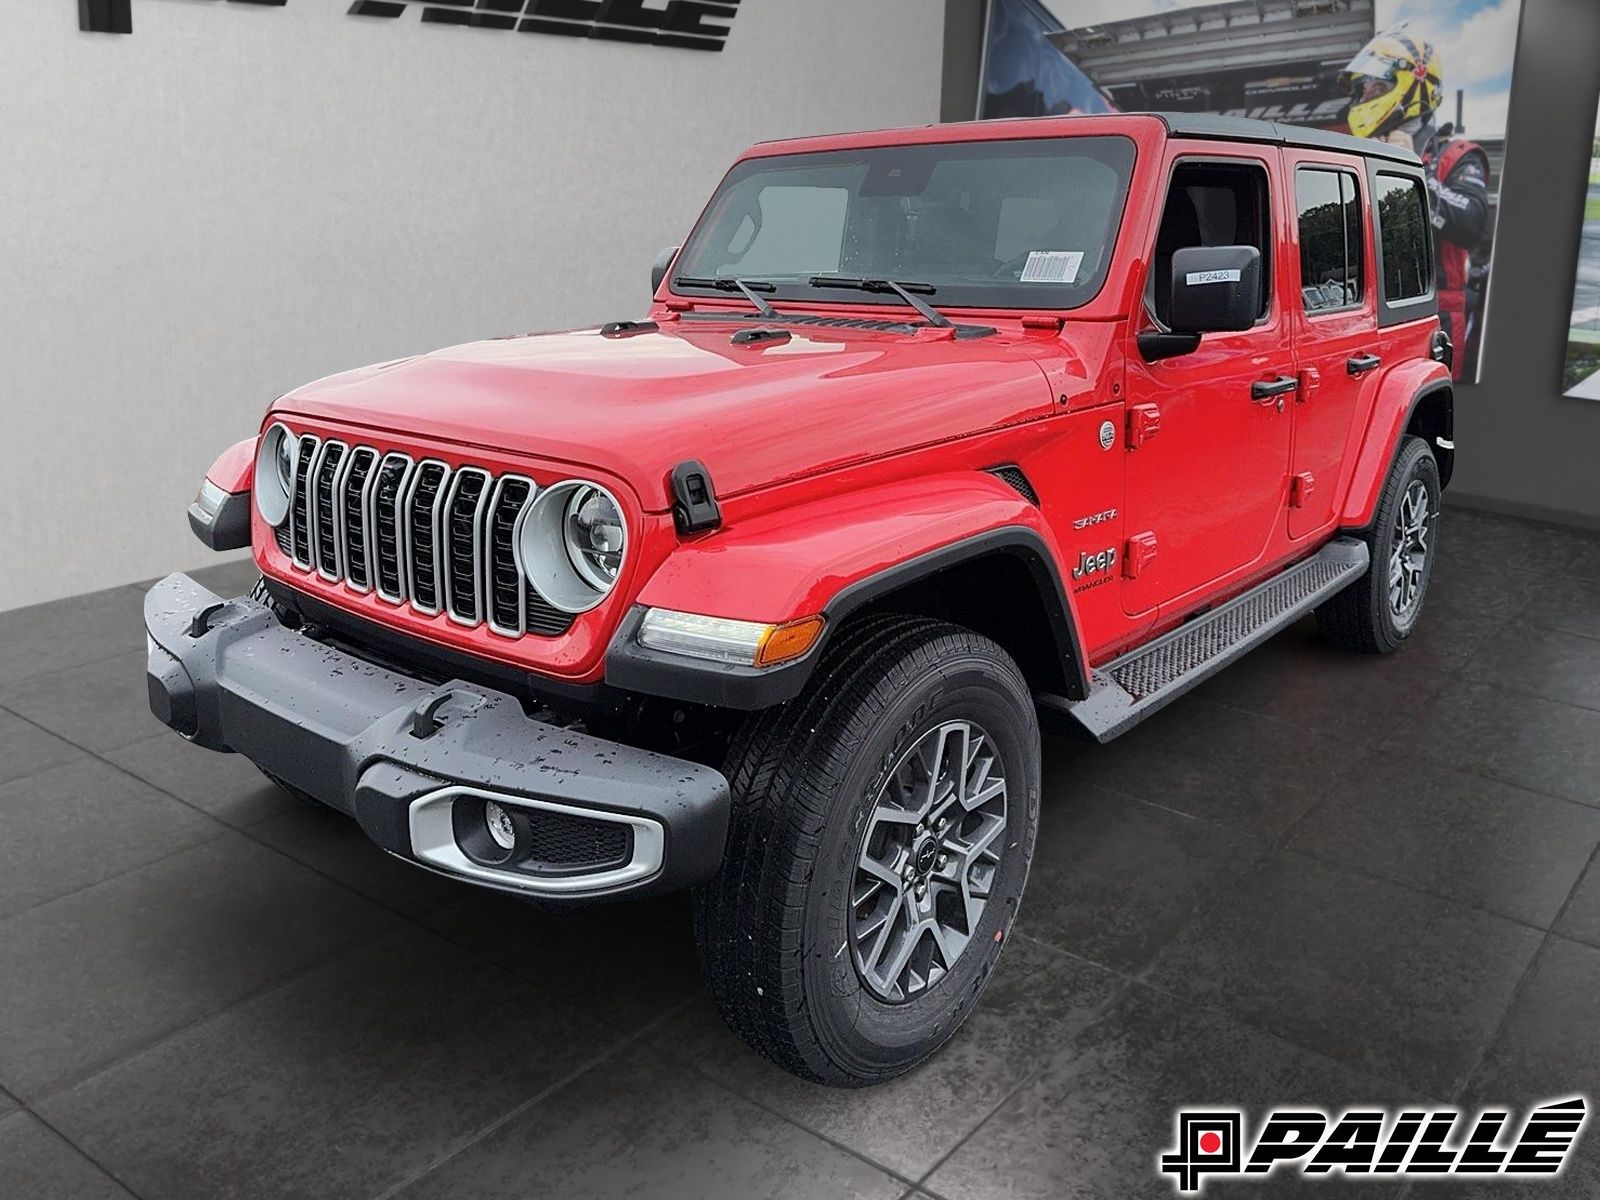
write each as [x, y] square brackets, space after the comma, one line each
[1264, 391]
[1360, 364]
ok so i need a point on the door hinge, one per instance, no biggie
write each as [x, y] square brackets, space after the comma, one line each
[1138, 554]
[1144, 422]
[1310, 381]
[1301, 486]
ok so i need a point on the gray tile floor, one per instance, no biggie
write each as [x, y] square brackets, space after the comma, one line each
[1320, 878]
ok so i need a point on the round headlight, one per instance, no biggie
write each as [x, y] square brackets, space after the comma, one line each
[274, 474]
[284, 461]
[595, 536]
[571, 543]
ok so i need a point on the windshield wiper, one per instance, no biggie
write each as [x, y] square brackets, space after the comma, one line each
[884, 286]
[728, 284]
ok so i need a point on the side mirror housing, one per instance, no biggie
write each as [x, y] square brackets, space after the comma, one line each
[1215, 289]
[659, 269]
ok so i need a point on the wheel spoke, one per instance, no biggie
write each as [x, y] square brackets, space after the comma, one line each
[894, 815]
[907, 946]
[927, 860]
[879, 871]
[883, 931]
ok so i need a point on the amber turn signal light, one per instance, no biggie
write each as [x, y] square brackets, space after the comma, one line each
[785, 642]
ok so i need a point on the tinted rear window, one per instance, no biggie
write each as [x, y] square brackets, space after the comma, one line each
[1403, 225]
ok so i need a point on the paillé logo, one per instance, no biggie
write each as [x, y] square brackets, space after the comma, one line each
[684, 24]
[1434, 1142]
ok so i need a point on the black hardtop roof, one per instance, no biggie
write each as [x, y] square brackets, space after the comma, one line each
[1248, 129]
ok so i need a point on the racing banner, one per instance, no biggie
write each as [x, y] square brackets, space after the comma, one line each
[1582, 375]
[1434, 75]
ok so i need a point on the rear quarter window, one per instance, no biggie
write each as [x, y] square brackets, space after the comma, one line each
[1407, 262]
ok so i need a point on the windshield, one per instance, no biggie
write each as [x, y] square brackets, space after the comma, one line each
[1014, 224]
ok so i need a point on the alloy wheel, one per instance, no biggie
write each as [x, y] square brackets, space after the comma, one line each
[928, 861]
[1408, 555]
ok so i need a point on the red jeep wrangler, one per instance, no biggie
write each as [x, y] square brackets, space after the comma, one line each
[927, 434]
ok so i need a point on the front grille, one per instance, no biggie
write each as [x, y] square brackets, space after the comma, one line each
[352, 514]
[463, 535]
[299, 526]
[417, 534]
[324, 474]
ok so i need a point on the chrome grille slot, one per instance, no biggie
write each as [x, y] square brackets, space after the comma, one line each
[442, 541]
[462, 543]
[299, 509]
[388, 551]
[503, 586]
[353, 520]
[422, 535]
[324, 540]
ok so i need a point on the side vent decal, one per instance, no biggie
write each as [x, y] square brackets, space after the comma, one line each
[1013, 475]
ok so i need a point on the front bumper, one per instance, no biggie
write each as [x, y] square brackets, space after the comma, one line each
[412, 761]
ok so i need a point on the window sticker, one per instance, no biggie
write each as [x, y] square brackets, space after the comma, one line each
[1052, 266]
[1198, 277]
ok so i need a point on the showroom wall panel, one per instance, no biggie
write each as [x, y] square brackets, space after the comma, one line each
[237, 198]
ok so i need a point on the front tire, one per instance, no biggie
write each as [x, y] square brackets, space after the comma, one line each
[882, 827]
[1379, 611]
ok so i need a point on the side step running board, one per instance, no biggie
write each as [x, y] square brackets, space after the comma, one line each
[1126, 690]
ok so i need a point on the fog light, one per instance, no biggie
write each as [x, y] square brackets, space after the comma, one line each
[498, 821]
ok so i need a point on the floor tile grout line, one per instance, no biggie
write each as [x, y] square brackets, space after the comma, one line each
[1063, 952]
[1516, 992]
[20, 681]
[470, 1140]
[915, 1186]
[1453, 901]
[112, 878]
[269, 987]
[757, 1102]
[1529, 693]
[1277, 1035]
[87, 1157]
[1028, 1077]
[225, 827]
[1141, 978]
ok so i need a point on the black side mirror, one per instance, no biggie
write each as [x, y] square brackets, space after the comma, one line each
[1215, 289]
[659, 269]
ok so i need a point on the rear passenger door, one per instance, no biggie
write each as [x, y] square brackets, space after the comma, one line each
[1335, 317]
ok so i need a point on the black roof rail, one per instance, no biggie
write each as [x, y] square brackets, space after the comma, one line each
[1248, 129]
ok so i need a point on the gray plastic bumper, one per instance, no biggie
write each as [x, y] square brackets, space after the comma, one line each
[402, 755]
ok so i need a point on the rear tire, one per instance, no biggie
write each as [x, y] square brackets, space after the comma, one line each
[1379, 611]
[870, 881]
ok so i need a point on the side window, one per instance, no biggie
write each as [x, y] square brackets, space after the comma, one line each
[1402, 212]
[1331, 252]
[1212, 204]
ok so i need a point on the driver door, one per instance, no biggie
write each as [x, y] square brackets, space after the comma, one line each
[1206, 492]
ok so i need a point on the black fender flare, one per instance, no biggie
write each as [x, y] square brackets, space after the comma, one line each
[633, 667]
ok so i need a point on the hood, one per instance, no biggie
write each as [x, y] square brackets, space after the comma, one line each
[636, 404]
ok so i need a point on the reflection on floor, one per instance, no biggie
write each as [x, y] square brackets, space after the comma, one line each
[1318, 879]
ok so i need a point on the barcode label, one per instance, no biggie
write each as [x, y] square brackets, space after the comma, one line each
[1052, 266]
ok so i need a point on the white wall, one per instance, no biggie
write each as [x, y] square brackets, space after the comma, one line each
[237, 199]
